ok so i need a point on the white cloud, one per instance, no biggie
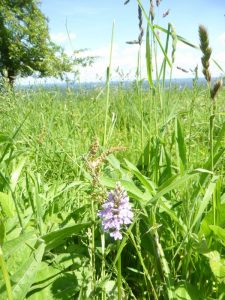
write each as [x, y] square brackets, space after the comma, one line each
[221, 37]
[61, 37]
[125, 58]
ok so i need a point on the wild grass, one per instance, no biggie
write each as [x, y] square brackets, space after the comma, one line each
[61, 151]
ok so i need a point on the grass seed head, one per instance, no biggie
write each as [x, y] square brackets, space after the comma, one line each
[152, 10]
[206, 50]
[158, 2]
[217, 86]
[141, 30]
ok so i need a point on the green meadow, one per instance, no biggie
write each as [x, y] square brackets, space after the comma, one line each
[63, 150]
[54, 247]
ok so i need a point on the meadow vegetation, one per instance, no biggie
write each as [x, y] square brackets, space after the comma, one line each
[62, 150]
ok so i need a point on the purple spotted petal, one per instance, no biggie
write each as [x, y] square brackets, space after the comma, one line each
[116, 212]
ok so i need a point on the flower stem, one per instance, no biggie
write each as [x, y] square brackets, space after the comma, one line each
[103, 263]
[93, 246]
[119, 277]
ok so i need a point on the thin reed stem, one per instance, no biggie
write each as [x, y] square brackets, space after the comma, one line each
[108, 85]
[139, 87]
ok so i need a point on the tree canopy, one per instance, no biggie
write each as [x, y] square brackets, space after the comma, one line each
[25, 44]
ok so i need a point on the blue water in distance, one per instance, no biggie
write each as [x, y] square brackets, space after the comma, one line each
[180, 83]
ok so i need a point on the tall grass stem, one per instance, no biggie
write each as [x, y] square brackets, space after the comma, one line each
[108, 85]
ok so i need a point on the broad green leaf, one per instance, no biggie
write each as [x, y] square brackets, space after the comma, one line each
[164, 206]
[42, 287]
[217, 157]
[25, 276]
[7, 205]
[16, 173]
[4, 138]
[219, 232]
[14, 245]
[209, 220]
[203, 203]
[147, 184]
[171, 184]
[56, 238]
[217, 265]
[185, 292]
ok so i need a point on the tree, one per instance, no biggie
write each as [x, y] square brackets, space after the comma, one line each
[25, 45]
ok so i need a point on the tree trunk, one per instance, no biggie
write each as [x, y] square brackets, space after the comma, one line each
[11, 77]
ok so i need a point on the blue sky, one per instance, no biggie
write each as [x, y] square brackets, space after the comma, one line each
[89, 23]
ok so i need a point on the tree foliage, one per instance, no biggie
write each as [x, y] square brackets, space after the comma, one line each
[25, 44]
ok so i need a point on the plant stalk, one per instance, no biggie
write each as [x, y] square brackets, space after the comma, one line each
[119, 276]
[5, 276]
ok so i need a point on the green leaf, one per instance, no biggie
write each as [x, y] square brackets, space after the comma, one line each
[149, 60]
[203, 203]
[4, 138]
[147, 184]
[2, 232]
[171, 184]
[130, 187]
[217, 265]
[207, 165]
[56, 238]
[219, 232]
[13, 246]
[218, 65]
[185, 292]
[16, 173]
[209, 220]
[180, 38]
[155, 34]
[25, 276]
[181, 147]
[42, 287]
[7, 205]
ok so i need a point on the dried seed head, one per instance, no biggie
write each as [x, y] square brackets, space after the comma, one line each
[94, 164]
[165, 14]
[182, 69]
[141, 30]
[94, 148]
[158, 2]
[217, 86]
[152, 10]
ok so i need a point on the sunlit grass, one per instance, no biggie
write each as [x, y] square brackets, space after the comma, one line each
[62, 150]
